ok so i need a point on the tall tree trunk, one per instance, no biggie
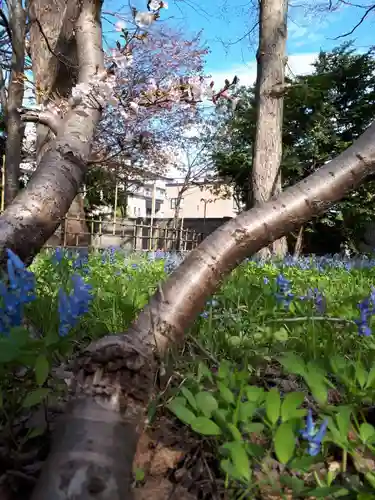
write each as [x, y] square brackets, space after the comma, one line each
[14, 125]
[94, 446]
[271, 59]
[55, 74]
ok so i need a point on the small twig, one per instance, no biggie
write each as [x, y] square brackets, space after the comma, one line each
[371, 8]
[21, 475]
[208, 354]
[310, 318]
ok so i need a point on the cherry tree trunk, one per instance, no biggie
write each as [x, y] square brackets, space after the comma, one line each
[271, 59]
[34, 215]
[94, 444]
[54, 79]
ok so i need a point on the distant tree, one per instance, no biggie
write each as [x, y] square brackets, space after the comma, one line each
[323, 114]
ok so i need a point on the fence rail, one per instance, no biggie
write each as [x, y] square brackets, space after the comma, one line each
[129, 234]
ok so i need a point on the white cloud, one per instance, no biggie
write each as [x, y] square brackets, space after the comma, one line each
[298, 64]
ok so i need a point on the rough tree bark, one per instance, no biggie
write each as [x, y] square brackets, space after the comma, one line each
[271, 59]
[35, 213]
[94, 446]
[54, 59]
[14, 124]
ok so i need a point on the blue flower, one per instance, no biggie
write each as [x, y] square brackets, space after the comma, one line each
[71, 307]
[58, 256]
[312, 436]
[283, 293]
[365, 312]
[18, 291]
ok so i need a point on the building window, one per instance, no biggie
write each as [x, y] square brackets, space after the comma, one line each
[135, 211]
[174, 203]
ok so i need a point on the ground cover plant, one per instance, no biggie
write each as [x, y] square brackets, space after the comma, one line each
[272, 394]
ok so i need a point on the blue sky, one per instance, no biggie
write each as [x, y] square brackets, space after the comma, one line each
[224, 22]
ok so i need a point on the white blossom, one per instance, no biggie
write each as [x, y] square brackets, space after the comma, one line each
[119, 26]
[154, 4]
[144, 19]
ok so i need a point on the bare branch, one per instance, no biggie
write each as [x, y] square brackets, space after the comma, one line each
[47, 118]
[370, 9]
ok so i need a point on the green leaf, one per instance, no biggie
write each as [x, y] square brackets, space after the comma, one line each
[281, 335]
[225, 393]
[284, 442]
[35, 397]
[360, 374]
[205, 427]
[204, 373]
[41, 369]
[36, 432]
[370, 378]
[318, 387]
[20, 336]
[295, 484]
[302, 464]
[221, 416]
[338, 364]
[224, 370]
[237, 436]
[290, 404]
[325, 491]
[8, 351]
[366, 431]
[273, 406]
[254, 427]
[254, 393]
[206, 403]
[293, 364]
[240, 459]
[246, 411]
[189, 397]
[1, 399]
[139, 475]
[180, 411]
[343, 421]
[229, 469]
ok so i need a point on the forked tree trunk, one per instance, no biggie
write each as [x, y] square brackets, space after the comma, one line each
[93, 449]
[55, 77]
[34, 215]
[271, 59]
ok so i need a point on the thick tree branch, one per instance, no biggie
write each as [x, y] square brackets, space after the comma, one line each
[35, 213]
[96, 440]
[47, 118]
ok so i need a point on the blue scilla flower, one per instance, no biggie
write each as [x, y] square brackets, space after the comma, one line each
[72, 306]
[58, 255]
[317, 297]
[18, 291]
[283, 293]
[313, 436]
[21, 280]
[365, 312]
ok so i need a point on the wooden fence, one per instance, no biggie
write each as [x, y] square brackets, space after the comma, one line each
[129, 234]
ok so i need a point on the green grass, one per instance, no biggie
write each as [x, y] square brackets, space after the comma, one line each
[251, 367]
